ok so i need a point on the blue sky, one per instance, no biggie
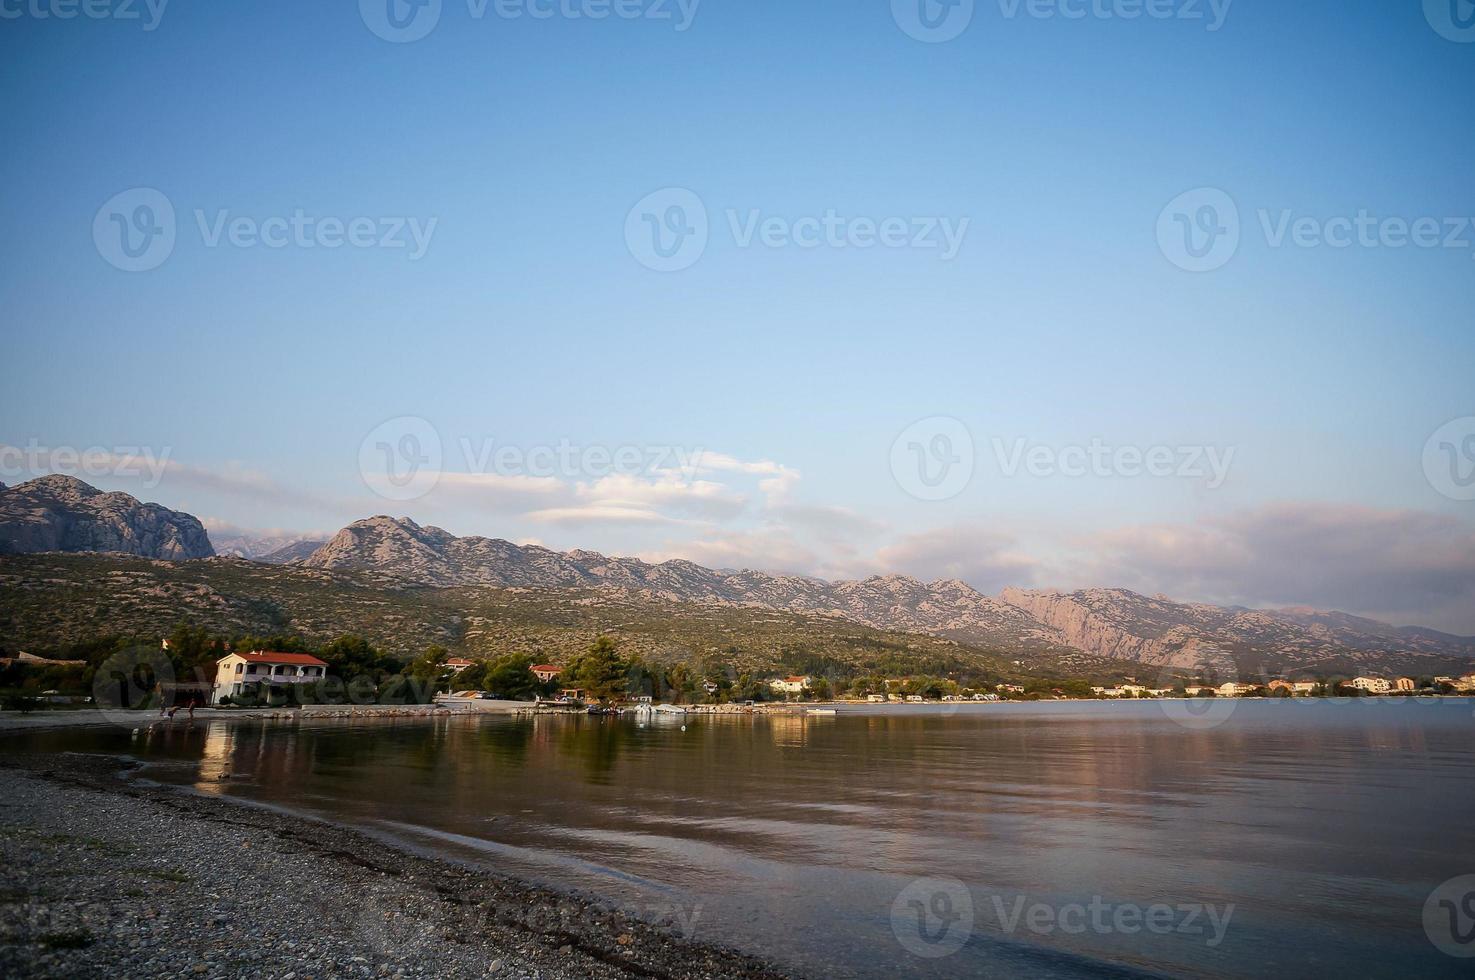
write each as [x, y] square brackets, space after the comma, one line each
[529, 319]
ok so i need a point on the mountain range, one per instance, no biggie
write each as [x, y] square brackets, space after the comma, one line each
[61, 514]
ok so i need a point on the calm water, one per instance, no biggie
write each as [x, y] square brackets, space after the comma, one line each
[1324, 825]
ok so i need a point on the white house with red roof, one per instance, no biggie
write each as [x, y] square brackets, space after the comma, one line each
[234, 672]
[546, 672]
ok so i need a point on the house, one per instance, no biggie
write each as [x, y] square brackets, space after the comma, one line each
[876, 698]
[789, 685]
[710, 687]
[1373, 685]
[1234, 689]
[571, 694]
[460, 663]
[1404, 684]
[1010, 688]
[546, 672]
[235, 672]
[1193, 690]
[1466, 682]
[1304, 687]
[1282, 685]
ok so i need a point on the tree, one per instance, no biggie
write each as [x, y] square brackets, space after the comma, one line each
[600, 671]
[512, 677]
[425, 670]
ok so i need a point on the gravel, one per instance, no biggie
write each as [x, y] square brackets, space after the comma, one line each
[100, 876]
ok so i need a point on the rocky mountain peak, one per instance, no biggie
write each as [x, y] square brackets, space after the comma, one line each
[63, 513]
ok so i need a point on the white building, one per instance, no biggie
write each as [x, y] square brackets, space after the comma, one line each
[789, 685]
[234, 672]
[1373, 685]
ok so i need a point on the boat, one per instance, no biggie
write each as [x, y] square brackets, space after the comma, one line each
[821, 711]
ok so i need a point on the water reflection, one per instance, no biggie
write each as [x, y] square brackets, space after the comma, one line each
[1325, 827]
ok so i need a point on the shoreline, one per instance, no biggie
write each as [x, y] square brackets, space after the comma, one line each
[105, 875]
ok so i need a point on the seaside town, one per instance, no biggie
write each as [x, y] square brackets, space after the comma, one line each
[182, 672]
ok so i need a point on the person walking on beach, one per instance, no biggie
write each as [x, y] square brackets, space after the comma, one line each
[191, 708]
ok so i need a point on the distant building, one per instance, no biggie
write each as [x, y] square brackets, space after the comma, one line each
[235, 672]
[1404, 684]
[546, 672]
[1373, 685]
[876, 698]
[789, 685]
[460, 663]
[1234, 689]
[1010, 688]
[1281, 685]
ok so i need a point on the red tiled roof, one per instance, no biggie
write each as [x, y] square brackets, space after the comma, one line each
[551, 667]
[459, 662]
[301, 659]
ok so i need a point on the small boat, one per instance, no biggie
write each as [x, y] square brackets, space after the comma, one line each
[821, 711]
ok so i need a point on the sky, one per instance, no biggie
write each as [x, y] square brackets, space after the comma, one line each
[1168, 295]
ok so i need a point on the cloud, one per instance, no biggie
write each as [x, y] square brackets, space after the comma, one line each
[985, 559]
[602, 513]
[765, 549]
[1399, 565]
[776, 482]
[828, 522]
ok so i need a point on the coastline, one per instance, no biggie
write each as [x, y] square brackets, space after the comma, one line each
[103, 875]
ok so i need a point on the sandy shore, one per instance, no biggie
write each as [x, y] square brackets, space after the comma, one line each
[101, 876]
